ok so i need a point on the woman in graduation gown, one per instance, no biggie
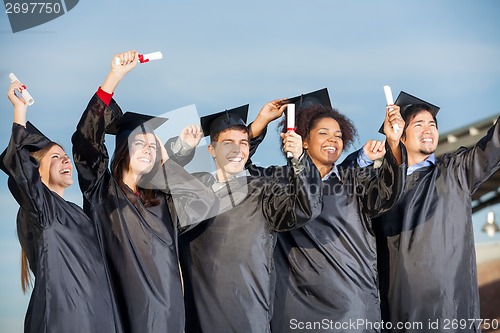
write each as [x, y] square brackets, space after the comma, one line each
[326, 271]
[227, 260]
[138, 223]
[71, 291]
[427, 259]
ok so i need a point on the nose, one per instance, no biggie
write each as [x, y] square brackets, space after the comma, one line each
[235, 148]
[148, 149]
[333, 138]
[426, 129]
[66, 159]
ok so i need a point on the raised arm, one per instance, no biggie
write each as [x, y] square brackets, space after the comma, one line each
[295, 198]
[89, 152]
[477, 164]
[25, 182]
[392, 117]
[268, 113]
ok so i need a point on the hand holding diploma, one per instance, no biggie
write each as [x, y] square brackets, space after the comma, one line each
[393, 118]
[142, 58]
[389, 102]
[292, 144]
[290, 126]
[24, 92]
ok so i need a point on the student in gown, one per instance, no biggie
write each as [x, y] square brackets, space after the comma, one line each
[227, 260]
[138, 222]
[71, 291]
[426, 242]
[326, 270]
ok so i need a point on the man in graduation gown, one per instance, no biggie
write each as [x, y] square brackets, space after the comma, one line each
[227, 260]
[427, 262]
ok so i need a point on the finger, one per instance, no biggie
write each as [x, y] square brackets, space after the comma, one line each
[371, 145]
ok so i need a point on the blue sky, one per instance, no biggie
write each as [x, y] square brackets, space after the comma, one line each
[222, 54]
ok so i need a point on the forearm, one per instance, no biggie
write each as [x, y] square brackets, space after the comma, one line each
[257, 127]
[395, 148]
[111, 82]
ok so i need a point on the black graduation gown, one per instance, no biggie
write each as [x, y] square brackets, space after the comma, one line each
[426, 242]
[327, 270]
[140, 243]
[227, 261]
[72, 292]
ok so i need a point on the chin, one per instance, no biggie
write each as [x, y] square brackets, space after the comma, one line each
[235, 169]
[428, 151]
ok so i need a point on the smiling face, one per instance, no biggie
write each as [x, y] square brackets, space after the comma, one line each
[230, 152]
[421, 137]
[324, 143]
[56, 170]
[142, 153]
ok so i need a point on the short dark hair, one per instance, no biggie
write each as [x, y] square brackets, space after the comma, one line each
[241, 128]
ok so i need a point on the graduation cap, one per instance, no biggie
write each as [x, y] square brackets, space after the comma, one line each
[405, 101]
[129, 121]
[303, 101]
[215, 123]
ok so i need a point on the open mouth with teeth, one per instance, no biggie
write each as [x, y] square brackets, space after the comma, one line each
[330, 149]
[236, 159]
[65, 171]
[144, 160]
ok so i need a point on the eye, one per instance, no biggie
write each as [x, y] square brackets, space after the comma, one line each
[139, 144]
[55, 156]
[245, 143]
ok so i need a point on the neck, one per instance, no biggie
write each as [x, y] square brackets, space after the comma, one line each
[416, 158]
[324, 170]
[130, 180]
[222, 175]
[59, 191]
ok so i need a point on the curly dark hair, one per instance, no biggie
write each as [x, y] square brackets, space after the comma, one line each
[308, 118]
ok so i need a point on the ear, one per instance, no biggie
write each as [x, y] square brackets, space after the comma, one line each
[304, 145]
[211, 150]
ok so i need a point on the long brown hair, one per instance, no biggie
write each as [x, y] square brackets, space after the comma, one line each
[121, 157]
[26, 277]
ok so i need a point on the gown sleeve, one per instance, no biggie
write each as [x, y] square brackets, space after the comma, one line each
[475, 165]
[193, 200]
[180, 153]
[24, 181]
[290, 205]
[382, 187]
[254, 144]
[89, 152]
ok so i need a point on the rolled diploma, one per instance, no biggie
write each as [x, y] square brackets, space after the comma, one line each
[24, 92]
[144, 57]
[389, 100]
[290, 122]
